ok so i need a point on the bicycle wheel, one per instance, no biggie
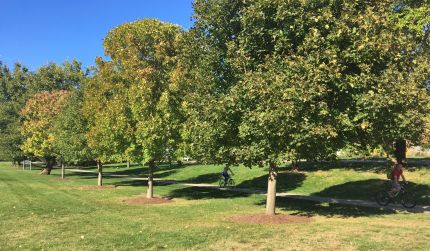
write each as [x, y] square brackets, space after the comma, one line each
[382, 198]
[408, 200]
[221, 182]
[231, 182]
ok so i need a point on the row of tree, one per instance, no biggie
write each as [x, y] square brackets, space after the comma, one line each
[252, 83]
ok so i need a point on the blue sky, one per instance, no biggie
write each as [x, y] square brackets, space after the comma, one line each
[36, 32]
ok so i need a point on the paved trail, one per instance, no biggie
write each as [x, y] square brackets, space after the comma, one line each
[363, 203]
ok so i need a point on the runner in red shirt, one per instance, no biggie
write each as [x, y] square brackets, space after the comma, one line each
[395, 177]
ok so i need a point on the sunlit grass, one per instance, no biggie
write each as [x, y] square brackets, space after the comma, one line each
[42, 212]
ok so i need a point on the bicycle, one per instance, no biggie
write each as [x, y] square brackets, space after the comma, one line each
[230, 182]
[406, 198]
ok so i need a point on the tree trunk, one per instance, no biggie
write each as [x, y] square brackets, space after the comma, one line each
[400, 150]
[150, 192]
[31, 162]
[100, 175]
[50, 162]
[23, 165]
[128, 164]
[271, 189]
[62, 170]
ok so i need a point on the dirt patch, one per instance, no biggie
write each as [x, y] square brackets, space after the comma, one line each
[270, 219]
[141, 200]
[96, 187]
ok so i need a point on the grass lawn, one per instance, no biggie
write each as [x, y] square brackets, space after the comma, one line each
[43, 212]
[343, 179]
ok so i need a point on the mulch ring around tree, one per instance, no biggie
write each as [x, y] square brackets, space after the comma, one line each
[104, 187]
[270, 219]
[142, 200]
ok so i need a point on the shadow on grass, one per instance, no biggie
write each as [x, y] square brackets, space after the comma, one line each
[138, 170]
[286, 181]
[81, 175]
[366, 190]
[139, 183]
[143, 172]
[198, 193]
[311, 208]
[205, 178]
[111, 175]
[377, 165]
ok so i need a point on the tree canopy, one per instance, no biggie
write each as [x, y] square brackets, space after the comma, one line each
[144, 53]
[273, 80]
[38, 113]
[133, 100]
[13, 93]
[69, 129]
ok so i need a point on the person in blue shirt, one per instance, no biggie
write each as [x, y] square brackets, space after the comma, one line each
[225, 173]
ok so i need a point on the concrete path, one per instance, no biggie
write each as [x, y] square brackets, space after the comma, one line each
[362, 203]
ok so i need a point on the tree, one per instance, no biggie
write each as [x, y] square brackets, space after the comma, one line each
[144, 54]
[69, 130]
[52, 77]
[276, 80]
[37, 129]
[13, 93]
[111, 133]
[412, 16]
[20, 85]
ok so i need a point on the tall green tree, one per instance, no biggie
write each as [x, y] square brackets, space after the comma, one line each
[275, 80]
[413, 17]
[145, 54]
[13, 94]
[69, 131]
[111, 133]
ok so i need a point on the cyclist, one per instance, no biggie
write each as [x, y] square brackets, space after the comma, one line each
[396, 173]
[225, 173]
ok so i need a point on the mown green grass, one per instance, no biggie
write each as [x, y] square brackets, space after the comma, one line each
[343, 179]
[40, 212]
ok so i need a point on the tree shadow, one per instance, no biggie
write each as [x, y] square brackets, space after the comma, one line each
[159, 170]
[140, 183]
[143, 172]
[81, 175]
[366, 190]
[286, 181]
[376, 165]
[198, 193]
[311, 208]
[205, 178]
[373, 165]
[112, 175]
[130, 172]
[417, 164]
